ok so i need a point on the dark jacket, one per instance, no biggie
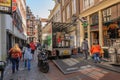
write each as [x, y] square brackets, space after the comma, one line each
[85, 45]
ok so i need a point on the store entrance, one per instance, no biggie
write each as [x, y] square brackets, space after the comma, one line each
[94, 37]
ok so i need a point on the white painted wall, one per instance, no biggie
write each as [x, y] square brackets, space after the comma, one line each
[8, 21]
[3, 49]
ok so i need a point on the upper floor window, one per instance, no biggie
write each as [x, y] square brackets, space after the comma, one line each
[64, 16]
[73, 7]
[94, 18]
[68, 11]
[106, 14]
[63, 2]
[28, 17]
[87, 3]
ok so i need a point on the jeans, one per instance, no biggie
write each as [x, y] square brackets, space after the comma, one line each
[28, 63]
[15, 64]
[96, 57]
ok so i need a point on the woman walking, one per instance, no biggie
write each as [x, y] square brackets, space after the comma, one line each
[16, 55]
[27, 57]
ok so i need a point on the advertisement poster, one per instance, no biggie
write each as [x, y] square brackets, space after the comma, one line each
[5, 6]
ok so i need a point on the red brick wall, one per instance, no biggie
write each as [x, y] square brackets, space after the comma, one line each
[119, 9]
[114, 12]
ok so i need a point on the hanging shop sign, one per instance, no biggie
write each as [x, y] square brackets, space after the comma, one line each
[14, 5]
[6, 6]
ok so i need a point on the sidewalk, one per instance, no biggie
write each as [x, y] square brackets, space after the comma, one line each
[106, 64]
[23, 73]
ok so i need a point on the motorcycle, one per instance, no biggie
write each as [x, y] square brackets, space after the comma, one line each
[43, 61]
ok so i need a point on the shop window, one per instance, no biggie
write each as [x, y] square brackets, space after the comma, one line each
[111, 33]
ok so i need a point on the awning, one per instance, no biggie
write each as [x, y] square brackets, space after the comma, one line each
[58, 26]
[21, 36]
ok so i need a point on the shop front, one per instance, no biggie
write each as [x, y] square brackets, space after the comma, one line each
[111, 40]
[111, 33]
[94, 33]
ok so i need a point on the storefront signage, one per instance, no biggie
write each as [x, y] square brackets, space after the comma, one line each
[6, 6]
[92, 28]
[14, 5]
[65, 52]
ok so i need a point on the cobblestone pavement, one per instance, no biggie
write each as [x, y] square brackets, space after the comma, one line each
[88, 73]
[24, 74]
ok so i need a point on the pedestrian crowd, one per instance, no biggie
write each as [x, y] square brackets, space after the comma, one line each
[25, 53]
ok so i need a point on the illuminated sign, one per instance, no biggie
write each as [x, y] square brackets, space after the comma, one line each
[14, 5]
[5, 6]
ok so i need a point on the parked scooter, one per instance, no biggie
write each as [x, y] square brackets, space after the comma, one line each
[43, 61]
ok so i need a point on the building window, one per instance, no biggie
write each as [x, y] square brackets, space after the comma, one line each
[94, 19]
[63, 2]
[87, 3]
[106, 15]
[28, 17]
[64, 16]
[73, 7]
[68, 12]
[59, 16]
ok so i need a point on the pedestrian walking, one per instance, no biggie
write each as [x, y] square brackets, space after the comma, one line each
[33, 47]
[85, 48]
[95, 51]
[23, 51]
[27, 57]
[15, 54]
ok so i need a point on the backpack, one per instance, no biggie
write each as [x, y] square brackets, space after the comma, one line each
[15, 55]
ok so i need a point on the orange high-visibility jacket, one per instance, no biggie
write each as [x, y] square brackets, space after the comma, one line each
[95, 49]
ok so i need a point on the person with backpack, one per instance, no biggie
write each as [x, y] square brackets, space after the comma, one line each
[27, 57]
[15, 54]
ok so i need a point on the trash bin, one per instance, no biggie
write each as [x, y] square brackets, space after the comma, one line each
[2, 68]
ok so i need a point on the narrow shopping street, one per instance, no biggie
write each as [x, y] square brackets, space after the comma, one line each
[86, 71]
[79, 39]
